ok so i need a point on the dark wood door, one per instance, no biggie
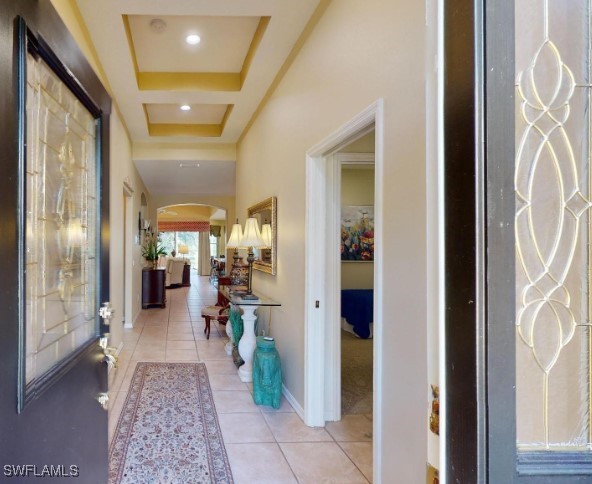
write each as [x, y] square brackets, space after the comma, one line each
[51, 369]
[509, 173]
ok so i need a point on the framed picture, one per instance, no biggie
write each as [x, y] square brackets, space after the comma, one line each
[357, 233]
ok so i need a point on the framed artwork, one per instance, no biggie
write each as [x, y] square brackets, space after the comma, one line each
[357, 233]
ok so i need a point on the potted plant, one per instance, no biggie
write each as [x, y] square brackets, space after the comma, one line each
[152, 249]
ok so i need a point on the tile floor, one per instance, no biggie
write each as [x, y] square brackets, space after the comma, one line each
[264, 445]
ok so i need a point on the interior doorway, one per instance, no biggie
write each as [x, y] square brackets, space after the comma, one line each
[322, 385]
[355, 164]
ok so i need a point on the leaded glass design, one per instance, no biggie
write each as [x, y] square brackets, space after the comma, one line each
[553, 200]
[61, 212]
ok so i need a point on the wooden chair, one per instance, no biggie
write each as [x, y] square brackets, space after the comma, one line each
[218, 313]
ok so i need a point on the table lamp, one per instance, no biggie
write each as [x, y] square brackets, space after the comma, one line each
[251, 239]
[183, 249]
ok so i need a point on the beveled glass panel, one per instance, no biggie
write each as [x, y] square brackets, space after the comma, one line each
[553, 200]
[61, 213]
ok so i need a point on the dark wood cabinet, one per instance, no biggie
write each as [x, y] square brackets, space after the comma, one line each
[153, 291]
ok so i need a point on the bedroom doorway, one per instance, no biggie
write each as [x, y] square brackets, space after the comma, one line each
[322, 380]
[356, 232]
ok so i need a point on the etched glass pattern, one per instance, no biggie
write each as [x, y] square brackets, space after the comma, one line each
[552, 181]
[61, 211]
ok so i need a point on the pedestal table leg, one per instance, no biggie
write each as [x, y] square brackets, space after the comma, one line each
[247, 343]
[230, 345]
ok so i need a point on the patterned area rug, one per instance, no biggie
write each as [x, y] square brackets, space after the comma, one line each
[168, 431]
[356, 374]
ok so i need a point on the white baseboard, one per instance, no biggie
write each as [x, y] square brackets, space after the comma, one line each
[295, 405]
[116, 354]
[119, 349]
[131, 326]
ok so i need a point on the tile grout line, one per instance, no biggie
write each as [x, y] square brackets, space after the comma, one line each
[352, 461]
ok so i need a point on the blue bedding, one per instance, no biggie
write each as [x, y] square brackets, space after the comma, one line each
[357, 307]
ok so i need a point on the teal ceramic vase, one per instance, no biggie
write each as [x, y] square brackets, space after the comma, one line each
[267, 374]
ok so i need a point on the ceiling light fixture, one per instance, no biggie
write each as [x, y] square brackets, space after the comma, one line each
[193, 39]
[185, 107]
[188, 165]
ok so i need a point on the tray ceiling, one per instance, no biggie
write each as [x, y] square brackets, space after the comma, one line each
[152, 71]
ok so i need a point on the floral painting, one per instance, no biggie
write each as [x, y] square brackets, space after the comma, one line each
[357, 233]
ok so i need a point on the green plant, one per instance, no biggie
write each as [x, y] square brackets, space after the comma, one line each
[152, 249]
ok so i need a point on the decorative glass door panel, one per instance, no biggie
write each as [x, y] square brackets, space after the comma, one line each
[552, 226]
[60, 223]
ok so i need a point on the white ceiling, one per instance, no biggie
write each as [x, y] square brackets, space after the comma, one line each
[224, 78]
[199, 114]
[209, 178]
[167, 51]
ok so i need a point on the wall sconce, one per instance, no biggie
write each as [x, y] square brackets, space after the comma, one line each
[251, 239]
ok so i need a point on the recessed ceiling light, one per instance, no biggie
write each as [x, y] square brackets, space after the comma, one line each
[193, 39]
[188, 165]
[185, 107]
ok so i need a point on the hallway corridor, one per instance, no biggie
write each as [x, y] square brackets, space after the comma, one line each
[264, 445]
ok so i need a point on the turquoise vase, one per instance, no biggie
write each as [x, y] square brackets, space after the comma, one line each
[236, 323]
[267, 374]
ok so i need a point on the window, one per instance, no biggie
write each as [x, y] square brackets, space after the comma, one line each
[172, 240]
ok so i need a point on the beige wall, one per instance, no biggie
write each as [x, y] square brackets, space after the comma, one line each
[359, 52]
[357, 188]
[122, 168]
[365, 144]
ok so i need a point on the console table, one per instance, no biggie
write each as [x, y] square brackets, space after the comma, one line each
[248, 341]
[153, 291]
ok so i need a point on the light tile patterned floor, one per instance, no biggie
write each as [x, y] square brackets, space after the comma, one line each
[264, 445]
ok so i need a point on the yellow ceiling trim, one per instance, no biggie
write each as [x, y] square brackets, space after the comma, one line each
[202, 130]
[189, 81]
[226, 115]
[130, 43]
[261, 28]
[146, 117]
[70, 14]
[195, 81]
[312, 22]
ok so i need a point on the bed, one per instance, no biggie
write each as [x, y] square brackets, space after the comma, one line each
[357, 307]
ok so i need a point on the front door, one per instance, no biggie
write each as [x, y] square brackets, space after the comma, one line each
[54, 147]
[519, 249]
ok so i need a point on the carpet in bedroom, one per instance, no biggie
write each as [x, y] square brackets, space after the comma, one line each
[356, 374]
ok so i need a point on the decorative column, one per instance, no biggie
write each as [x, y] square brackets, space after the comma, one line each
[247, 343]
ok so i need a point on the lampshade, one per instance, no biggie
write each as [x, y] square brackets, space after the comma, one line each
[266, 234]
[183, 249]
[234, 242]
[251, 235]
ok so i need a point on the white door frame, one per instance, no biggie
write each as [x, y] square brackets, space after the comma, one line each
[322, 274]
[332, 364]
[128, 259]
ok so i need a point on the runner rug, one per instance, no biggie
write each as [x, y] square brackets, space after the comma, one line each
[168, 431]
